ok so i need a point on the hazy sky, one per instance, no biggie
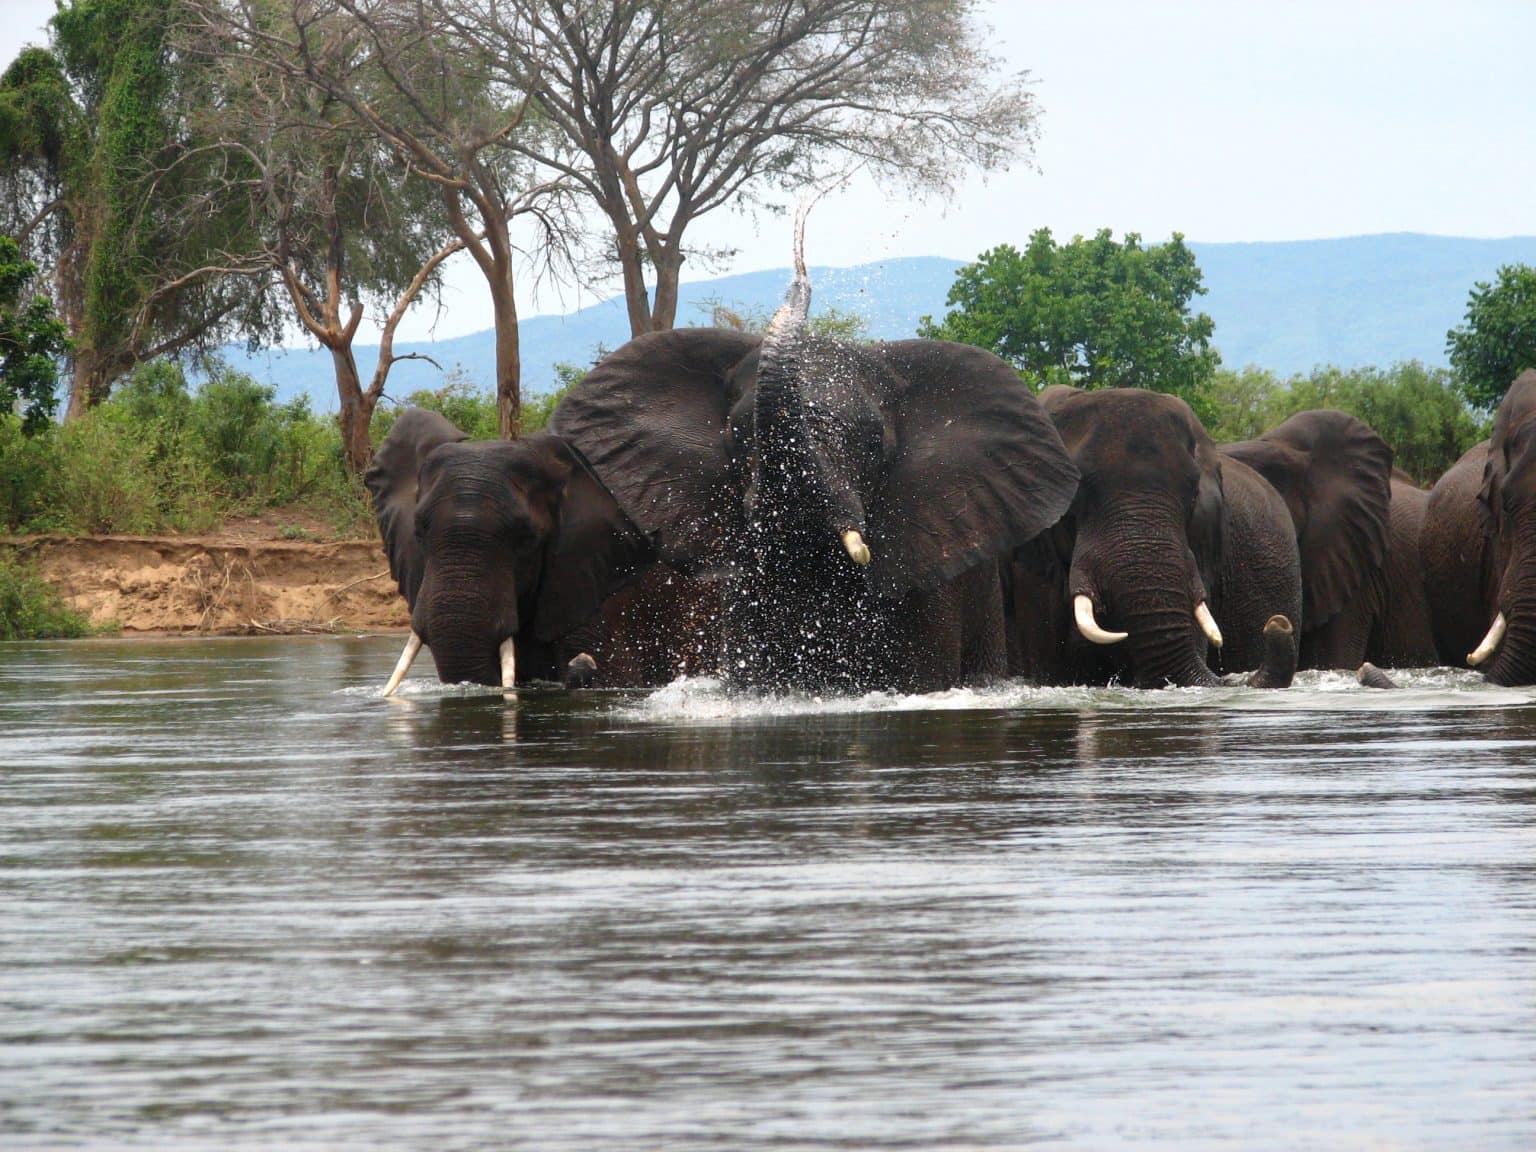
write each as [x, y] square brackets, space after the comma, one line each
[1220, 120]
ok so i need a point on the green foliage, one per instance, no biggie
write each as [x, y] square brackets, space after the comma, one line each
[31, 342]
[473, 410]
[1418, 411]
[30, 609]
[29, 474]
[38, 117]
[159, 456]
[1095, 313]
[468, 408]
[102, 164]
[115, 51]
[1497, 339]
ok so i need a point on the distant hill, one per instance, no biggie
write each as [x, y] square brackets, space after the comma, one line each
[1284, 306]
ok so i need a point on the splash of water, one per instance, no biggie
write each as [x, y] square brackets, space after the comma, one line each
[1419, 690]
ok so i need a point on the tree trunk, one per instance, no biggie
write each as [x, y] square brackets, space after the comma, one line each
[356, 410]
[636, 298]
[91, 381]
[509, 396]
[669, 267]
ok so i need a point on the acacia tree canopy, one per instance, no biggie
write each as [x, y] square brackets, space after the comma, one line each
[663, 112]
[1095, 313]
[1497, 339]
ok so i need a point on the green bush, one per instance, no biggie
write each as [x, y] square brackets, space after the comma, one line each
[160, 456]
[1419, 411]
[30, 609]
[29, 474]
[470, 409]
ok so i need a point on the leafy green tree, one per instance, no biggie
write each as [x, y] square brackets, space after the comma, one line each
[32, 340]
[1419, 411]
[98, 160]
[1497, 339]
[1096, 313]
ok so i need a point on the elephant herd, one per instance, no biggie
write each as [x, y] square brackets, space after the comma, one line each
[794, 512]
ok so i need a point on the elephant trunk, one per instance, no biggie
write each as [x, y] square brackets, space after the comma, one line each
[1152, 593]
[1512, 661]
[465, 630]
[779, 409]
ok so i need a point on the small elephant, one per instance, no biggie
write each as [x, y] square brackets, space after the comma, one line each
[1169, 547]
[1357, 558]
[855, 498]
[1479, 547]
[506, 552]
[1403, 634]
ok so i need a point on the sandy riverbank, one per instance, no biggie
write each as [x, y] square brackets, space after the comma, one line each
[232, 583]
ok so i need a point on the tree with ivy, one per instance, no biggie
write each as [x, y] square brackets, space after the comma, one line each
[96, 163]
[1096, 313]
[1497, 339]
[32, 342]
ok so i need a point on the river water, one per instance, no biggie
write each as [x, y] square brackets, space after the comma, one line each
[246, 903]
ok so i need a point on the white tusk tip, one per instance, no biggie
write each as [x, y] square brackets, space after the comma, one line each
[858, 551]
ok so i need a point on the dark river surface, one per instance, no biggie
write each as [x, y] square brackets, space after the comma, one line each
[247, 903]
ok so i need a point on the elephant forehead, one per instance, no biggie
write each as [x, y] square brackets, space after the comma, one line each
[1142, 426]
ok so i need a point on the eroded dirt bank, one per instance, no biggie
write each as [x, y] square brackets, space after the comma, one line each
[219, 585]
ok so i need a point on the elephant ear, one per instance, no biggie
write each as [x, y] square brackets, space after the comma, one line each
[1209, 526]
[1514, 417]
[978, 468]
[594, 550]
[1335, 474]
[393, 479]
[651, 418]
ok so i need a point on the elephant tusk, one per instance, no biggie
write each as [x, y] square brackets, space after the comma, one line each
[1490, 642]
[508, 663]
[403, 665]
[858, 551]
[1082, 611]
[1208, 624]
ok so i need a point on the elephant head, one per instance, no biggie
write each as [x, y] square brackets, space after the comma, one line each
[1506, 506]
[501, 548]
[1335, 475]
[833, 482]
[1140, 549]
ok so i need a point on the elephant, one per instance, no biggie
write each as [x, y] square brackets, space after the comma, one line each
[1361, 593]
[855, 500]
[1403, 635]
[1168, 547]
[1477, 547]
[517, 563]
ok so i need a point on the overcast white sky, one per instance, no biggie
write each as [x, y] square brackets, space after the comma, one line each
[1220, 120]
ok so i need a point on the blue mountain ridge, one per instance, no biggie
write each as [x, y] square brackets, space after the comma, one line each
[1286, 306]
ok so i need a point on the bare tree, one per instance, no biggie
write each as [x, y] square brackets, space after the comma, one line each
[398, 70]
[665, 110]
[339, 223]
